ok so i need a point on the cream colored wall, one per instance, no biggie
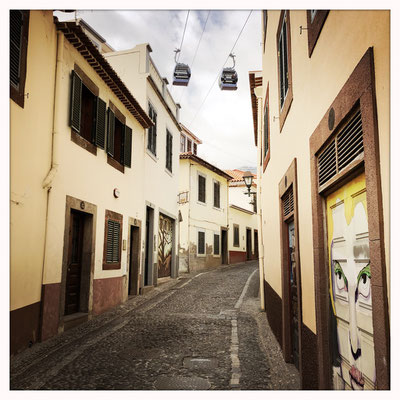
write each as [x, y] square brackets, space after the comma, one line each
[90, 178]
[238, 197]
[344, 39]
[244, 220]
[30, 152]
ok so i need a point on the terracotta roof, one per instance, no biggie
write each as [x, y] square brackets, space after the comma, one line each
[77, 37]
[186, 130]
[255, 81]
[237, 174]
[190, 156]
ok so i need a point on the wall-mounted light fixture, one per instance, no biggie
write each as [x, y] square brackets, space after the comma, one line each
[116, 193]
[248, 181]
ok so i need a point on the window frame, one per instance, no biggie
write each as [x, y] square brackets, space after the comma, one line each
[17, 94]
[199, 174]
[113, 216]
[169, 142]
[152, 131]
[314, 27]
[264, 25]
[284, 108]
[266, 135]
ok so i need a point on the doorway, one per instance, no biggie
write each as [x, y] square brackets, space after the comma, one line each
[134, 261]
[256, 244]
[248, 244]
[224, 246]
[165, 245]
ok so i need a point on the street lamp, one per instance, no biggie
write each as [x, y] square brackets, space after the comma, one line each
[248, 180]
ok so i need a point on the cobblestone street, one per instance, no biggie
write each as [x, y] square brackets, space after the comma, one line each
[200, 331]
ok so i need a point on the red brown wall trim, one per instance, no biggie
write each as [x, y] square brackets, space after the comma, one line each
[24, 327]
[309, 377]
[107, 293]
[273, 308]
[314, 28]
[359, 88]
[50, 312]
[287, 181]
[237, 256]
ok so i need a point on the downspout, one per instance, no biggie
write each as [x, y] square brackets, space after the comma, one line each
[190, 200]
[48, 180]
[258, 93]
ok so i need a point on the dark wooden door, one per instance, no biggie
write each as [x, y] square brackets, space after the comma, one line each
[224, 246]
[248, 243]
[74, 269]
[256, 244]
[294, 314]
[134, 261]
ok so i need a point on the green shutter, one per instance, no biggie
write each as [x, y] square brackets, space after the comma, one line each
[16, 25]
[110, 134]
[76, 101]
[100, 123]
[128, 146]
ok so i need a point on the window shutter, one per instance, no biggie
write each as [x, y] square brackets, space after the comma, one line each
[128, 146]
[201, 244]
[202, 189]
[155, 133]
[16, 23]
[115, 244]
[76, 102]
[170, 151]
[216, 244]
[288, 202]
[100, 123]
[266, 131]
[113, 241]
[110, 135]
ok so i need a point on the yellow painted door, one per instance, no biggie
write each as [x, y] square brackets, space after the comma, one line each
[350, 286]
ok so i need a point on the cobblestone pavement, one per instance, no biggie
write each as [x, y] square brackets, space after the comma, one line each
[200, 331]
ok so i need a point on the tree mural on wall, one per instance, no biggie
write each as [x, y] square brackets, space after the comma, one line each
[164, 246]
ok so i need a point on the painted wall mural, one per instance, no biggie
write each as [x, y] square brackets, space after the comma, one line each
[164, 246]
[350, 287]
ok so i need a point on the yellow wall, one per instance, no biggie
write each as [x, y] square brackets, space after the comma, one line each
[244, 220]
[30, 159]
[345, 37]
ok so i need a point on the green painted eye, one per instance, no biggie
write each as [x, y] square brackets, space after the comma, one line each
[364, 281]
[341, 280]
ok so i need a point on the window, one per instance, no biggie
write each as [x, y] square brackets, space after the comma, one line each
[168, 163]
[217, 194]
[119, 140]
[216, 244]
[87, 112]
[284, 67]
[152, 132]
[201, 188]
[183, 141]
[266, 139]
[201, 242]
[112, 240]
[19, 27]
[195, 148]
[236, 235]
[315, 22]
[189, 145]
[265, 20]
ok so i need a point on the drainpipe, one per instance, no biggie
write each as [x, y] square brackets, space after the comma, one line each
[190, 200]
[258, 93]
[48, 180]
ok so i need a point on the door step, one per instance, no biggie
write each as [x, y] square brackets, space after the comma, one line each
[74, 319]
[146, 289]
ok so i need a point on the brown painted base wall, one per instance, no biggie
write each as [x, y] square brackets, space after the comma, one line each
[107, 293]
[50, 310]
[309, 379]
[24, 327]
[237, 256]
[273, 308]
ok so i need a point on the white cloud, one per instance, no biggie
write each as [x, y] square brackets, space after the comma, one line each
[224, 122]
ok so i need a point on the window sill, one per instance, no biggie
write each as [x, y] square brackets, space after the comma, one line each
[266, 160]
[217, 208]
[169, 172]
[82, 142]
[152, 155]
[200, 255]
[201, 203]
[285, 109]
[110, 266]
[114, 163]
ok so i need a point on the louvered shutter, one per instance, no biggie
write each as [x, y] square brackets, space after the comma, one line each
[128, 146]
[100, 123]
[115, 244]
[110, 133]
[16, 23]
[201, 242]
[113, 241]
[76, 102]
[288, 202]
[216, 244]
[154, 132]
[202, 189]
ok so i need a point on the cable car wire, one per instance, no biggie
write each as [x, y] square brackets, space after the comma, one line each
[184, 31]
[198, 110]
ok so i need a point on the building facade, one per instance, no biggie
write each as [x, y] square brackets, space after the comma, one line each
[203, 205]
[321, 124]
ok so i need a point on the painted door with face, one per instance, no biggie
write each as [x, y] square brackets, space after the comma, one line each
[164, 246]
[350, 288]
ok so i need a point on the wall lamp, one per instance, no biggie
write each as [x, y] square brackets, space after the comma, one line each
[248, 180]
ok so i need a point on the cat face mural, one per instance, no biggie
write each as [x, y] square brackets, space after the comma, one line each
[350, 275]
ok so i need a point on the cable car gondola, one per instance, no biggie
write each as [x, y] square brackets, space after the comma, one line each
[229, 77]
[181, 73]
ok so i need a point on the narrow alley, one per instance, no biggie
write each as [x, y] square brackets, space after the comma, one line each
[201, 331]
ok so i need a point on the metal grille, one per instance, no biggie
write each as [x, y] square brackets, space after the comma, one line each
[346, 147]
[288, 202]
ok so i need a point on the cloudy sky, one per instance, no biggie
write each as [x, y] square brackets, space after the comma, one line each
[224, 120]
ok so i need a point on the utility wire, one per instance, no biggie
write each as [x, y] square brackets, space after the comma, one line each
[183, 36]
[198, 110]
[195, 54]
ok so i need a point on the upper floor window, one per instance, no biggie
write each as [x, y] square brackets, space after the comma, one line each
[313, 13]
[189, 145]
[284, 67]
[217, 194]
[19, 28]
[315, 22]
[265, 19]
[183, 142]
[201, 188]
[168, 163]
[266, 138]
[152, 131]
[195, 148]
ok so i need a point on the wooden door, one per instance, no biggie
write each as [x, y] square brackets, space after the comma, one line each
[133, 286]
[74, 269]
[165, 240]
[248, 244]
[224, 246]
